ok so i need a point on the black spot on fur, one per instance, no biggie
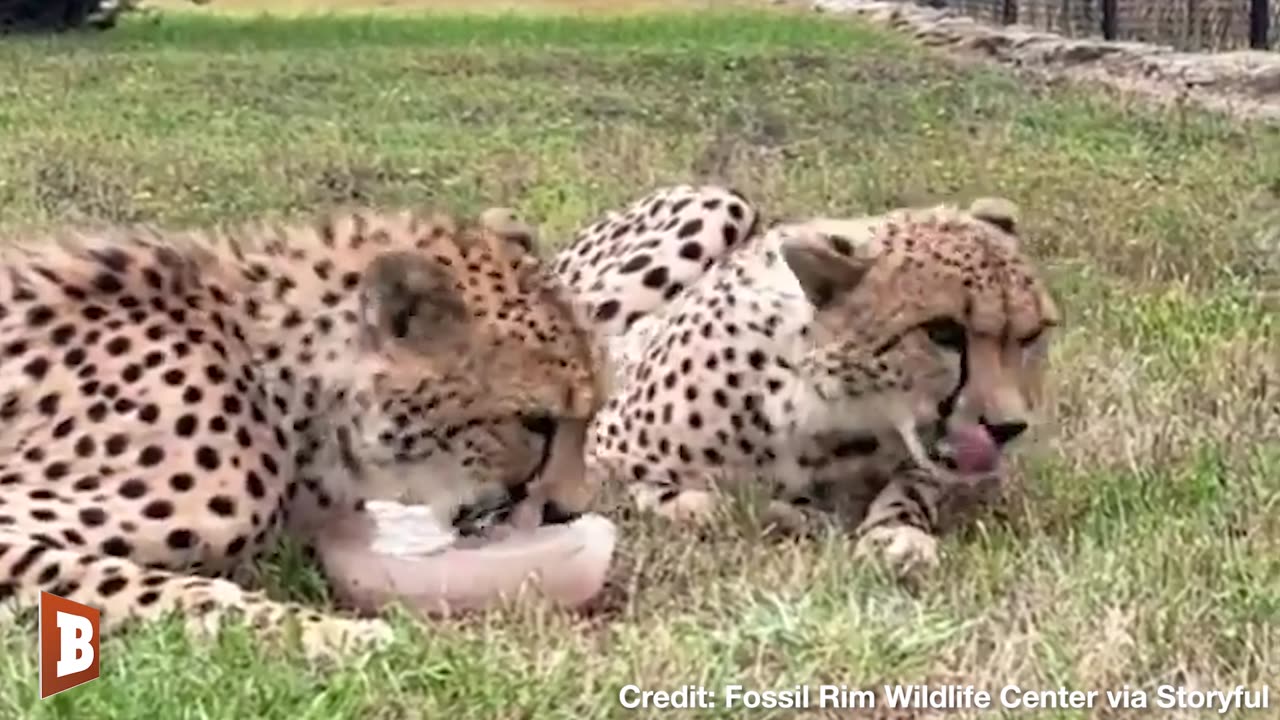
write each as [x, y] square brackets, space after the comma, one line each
[635, 264]
[607, 310]
[111, 586]
[656, 278]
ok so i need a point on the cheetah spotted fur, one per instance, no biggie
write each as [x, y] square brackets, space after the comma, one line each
[172, 403]
[802, 360]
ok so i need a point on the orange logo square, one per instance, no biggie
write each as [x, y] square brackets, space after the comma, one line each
[68, 644]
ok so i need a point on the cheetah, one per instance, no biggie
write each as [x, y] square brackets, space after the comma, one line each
[172, 403]
[834, 364]
[628, 263]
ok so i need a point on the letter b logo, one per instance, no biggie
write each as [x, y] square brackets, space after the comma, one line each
[68, 644]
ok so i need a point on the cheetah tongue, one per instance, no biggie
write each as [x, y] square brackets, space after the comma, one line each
[972, 449]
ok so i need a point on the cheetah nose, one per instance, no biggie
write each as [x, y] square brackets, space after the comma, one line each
[1005, 432]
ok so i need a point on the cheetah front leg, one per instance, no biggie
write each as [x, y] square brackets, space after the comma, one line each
[900, 527]
[123, 591]
[904, 521]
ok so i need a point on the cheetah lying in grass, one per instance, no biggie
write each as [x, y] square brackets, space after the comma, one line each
[876, 364]
[174, 403]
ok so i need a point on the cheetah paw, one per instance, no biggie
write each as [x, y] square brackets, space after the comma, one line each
[905, 549]
[337, 636]
[791, 520]
[687, 506]
[690, 506]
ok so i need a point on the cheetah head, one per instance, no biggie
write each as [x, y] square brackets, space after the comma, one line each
[939, 314]
[470, 330]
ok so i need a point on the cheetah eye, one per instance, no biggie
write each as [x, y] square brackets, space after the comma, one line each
[946, 333]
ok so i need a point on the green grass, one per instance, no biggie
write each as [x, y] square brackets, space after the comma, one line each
[1142, 543]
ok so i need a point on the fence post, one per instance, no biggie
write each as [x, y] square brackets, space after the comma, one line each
[1260, 24]
[1110, 21]
[1009, 13]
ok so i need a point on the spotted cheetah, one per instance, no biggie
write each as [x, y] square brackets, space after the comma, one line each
[172, 403]
[834, 363]
[628, 263]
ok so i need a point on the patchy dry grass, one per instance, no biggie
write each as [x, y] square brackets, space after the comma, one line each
[1143, 544]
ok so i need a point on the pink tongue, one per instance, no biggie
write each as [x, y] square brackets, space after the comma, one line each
[973, 449]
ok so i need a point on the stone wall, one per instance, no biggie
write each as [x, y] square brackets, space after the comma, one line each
[1244, 83]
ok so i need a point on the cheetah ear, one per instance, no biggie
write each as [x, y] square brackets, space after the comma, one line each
[998, 211]
[827, 264]
[410, 298]
[506, 224]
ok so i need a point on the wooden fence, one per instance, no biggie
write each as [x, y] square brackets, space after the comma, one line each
[1185, 24]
